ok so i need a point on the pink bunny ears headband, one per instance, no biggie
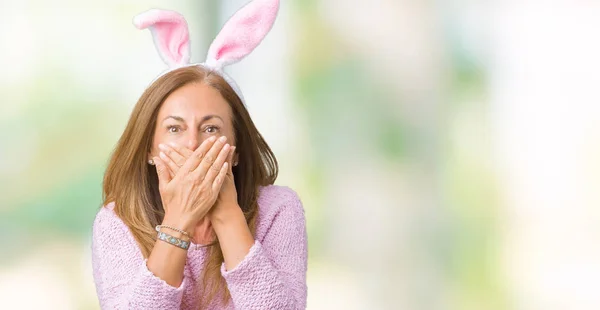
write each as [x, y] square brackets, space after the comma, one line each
[240, 35]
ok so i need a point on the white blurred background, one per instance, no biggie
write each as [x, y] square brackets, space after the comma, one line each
[446, 152]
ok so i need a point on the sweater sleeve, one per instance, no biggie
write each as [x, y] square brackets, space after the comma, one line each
[273, 273]
[122, 278]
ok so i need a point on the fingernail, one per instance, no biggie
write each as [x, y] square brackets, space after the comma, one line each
[163, 155]
[212, 139]
[162, 146]
[223, 139]
[227, 146]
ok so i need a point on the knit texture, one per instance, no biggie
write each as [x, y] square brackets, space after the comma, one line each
[271, 276]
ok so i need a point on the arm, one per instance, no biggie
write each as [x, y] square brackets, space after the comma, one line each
[234, 236]
[167, 261]
[270, 274]
[123, 278]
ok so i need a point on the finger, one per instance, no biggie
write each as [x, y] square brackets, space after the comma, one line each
[172, 152]
[230, 161]
[183, 150]
[193, 161]
[220, 178]
[205, 146]
[161, 170]
[210, 157]
[212, 173]
[173, 168]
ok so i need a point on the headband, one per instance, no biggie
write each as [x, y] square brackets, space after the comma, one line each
[240, 35]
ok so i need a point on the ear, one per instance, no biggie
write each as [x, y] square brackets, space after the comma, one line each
[149, 158]
[170, 33]
[242, 33]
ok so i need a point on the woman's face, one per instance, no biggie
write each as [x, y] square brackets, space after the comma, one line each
[190, 115]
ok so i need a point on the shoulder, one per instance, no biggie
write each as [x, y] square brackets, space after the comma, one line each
[107, 218]
[107, 225]
[278, 203]
[273, 198]
[113, 248]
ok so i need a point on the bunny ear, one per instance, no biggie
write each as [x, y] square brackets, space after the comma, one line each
[170, 32]
[242, 33]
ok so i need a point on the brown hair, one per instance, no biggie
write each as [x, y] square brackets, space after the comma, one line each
[132, 184]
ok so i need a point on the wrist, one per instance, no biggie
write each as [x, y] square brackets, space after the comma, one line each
[180, 222]
[225, 215]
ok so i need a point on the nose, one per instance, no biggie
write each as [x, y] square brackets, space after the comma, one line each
[193, 141]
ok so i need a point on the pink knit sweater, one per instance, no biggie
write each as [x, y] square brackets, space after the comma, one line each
[271, 276]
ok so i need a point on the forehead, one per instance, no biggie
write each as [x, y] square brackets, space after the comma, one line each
[193, 101]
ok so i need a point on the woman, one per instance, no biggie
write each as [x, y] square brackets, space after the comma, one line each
[192, 162]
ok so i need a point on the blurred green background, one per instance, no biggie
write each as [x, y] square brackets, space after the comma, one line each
[446, 152]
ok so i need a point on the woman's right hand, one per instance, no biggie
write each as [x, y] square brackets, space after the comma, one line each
[190, 194]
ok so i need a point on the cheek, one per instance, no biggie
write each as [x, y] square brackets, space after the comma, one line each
[163, 137]
[230, 134]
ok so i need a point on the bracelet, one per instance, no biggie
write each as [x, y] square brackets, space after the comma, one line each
[173, 240]
[185, 233]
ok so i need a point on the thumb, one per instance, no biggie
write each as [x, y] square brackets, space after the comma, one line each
[164, 177]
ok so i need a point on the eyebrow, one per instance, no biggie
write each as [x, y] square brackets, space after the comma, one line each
[204, 119]
[177, 118]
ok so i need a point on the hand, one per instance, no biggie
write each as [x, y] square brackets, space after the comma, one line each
[203, 232]
[174, 155]
[227, 200]
[225, 218]
[190, 194]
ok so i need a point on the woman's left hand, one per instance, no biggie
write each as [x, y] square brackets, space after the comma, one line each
[227, 200]
[226, 218]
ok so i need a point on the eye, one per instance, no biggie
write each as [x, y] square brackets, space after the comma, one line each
[173, 129]
[211, 129]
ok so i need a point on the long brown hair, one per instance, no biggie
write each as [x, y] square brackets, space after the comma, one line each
[132, 184]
